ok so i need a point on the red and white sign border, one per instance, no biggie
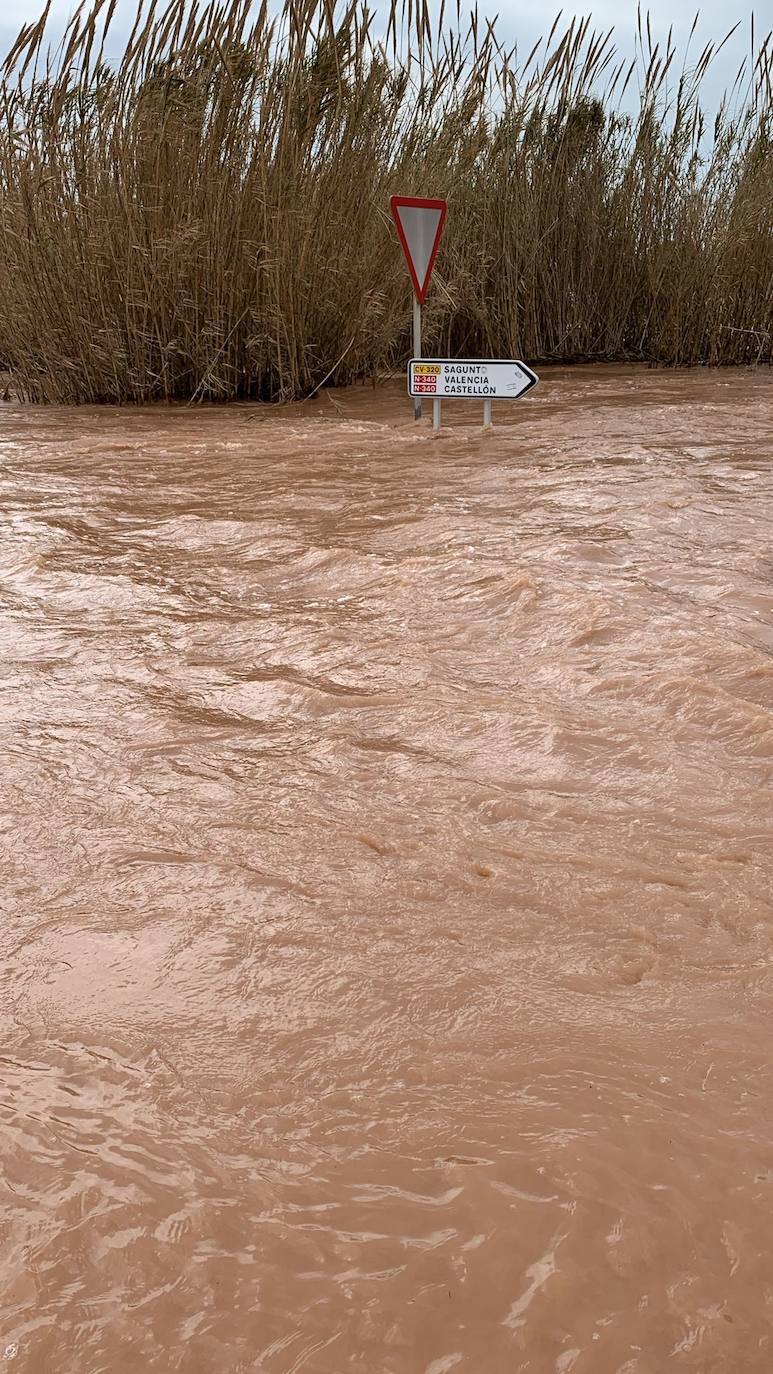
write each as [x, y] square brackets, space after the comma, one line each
[418, 203]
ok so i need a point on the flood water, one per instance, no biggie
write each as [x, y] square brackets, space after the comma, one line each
[386, 959]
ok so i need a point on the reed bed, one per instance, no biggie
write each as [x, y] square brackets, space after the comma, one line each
[206, 217]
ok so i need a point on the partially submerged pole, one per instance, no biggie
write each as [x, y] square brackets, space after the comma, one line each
[436, 404]
[416, 347]
[487, 413]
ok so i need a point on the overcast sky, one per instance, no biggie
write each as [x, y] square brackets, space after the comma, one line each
[525, 21]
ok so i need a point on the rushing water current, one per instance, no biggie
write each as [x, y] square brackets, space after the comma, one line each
[386, 978]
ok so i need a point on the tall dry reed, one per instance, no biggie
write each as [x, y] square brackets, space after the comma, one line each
[207, 218]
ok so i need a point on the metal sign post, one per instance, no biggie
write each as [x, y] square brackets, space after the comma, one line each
[419, 223]
[416, 347]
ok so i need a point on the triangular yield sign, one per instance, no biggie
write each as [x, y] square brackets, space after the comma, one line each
[419, 223]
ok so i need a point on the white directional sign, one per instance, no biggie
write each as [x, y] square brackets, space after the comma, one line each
[473, 378]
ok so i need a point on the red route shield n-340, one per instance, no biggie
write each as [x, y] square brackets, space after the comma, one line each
[419, 223]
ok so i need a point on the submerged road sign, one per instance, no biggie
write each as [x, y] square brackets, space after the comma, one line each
[474, 378]
[419, 224]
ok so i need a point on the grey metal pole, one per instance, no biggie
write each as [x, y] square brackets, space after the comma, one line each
[486, 413]
[416, 350]
[436, 404]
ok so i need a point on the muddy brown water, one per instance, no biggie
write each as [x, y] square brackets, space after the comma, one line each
[387, 859]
